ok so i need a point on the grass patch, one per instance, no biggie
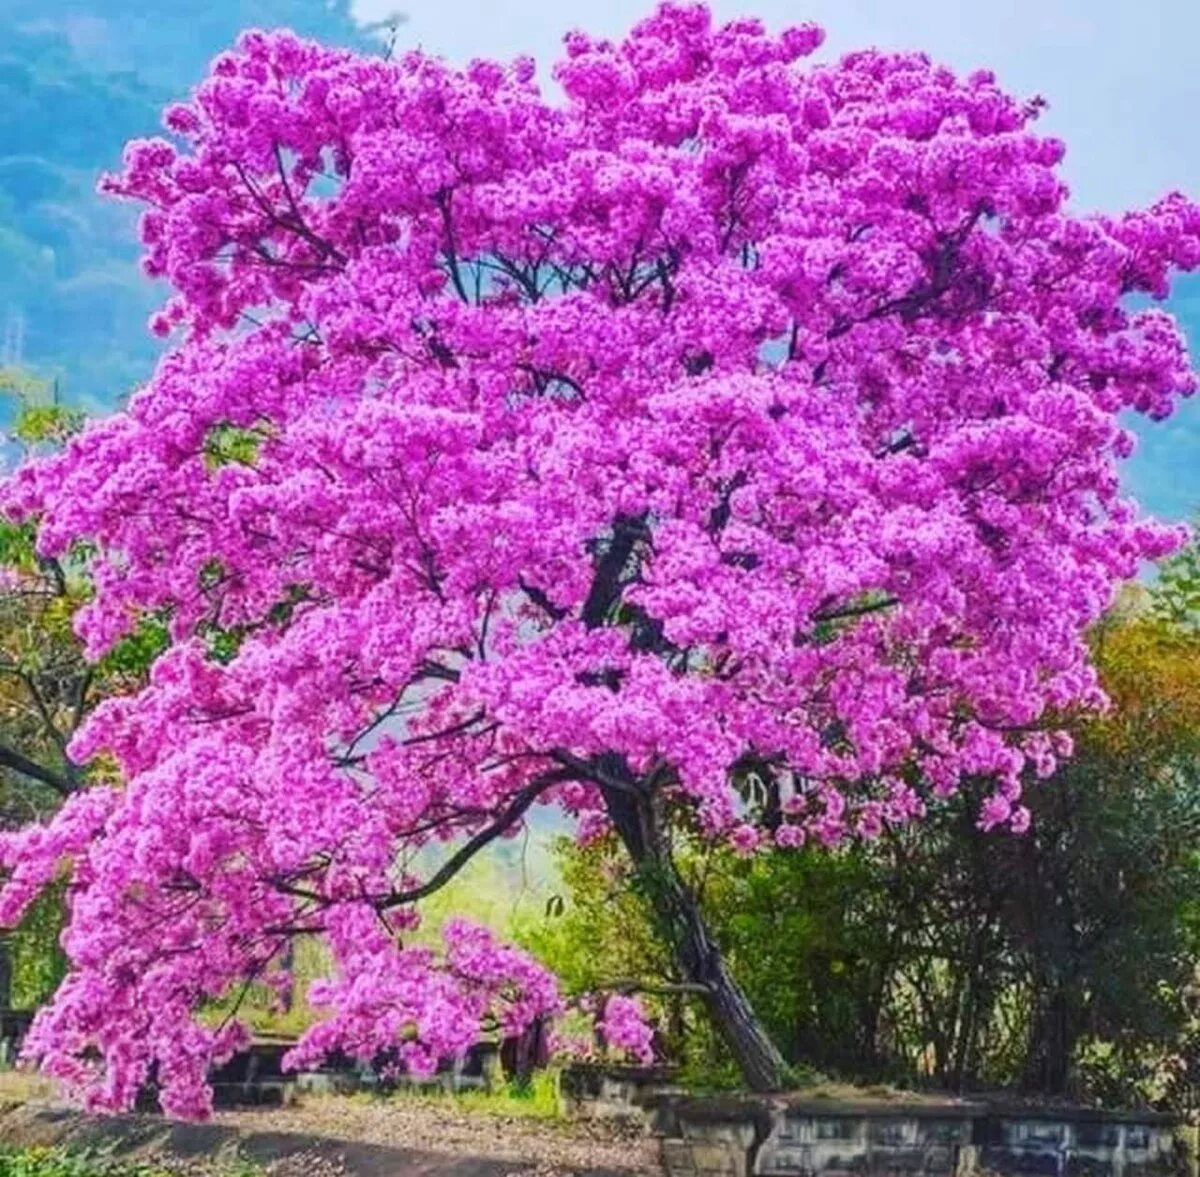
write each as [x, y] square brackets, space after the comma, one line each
[24, 1086]
[536, 1100]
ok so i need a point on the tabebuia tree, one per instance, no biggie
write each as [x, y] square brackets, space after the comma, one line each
[727, 444]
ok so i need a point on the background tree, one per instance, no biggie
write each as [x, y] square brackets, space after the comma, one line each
[726, 452]
[47, 687]
[1060, 961]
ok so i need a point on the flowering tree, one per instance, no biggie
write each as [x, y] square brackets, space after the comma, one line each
[730, 446]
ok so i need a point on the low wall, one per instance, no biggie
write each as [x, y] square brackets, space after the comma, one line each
[256, 1077]
[922, 1138]
[602, 1091]
[14, 1024]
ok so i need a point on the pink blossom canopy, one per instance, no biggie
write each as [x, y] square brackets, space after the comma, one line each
[745, 423]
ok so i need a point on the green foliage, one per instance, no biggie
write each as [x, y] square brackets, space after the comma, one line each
[135, 653]
[38, 962]
[47, 689]
[41, 424]
[1177, 593]
[1062, 961]
[791, 926]
[16, 546]
[228, 445]
[503, 889]
[260, 1007]
[40, 1161]
[55, 1162]
[536, 1100]
[597, 931]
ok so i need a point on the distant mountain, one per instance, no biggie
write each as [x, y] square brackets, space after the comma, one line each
[76, 82]
[169, 46]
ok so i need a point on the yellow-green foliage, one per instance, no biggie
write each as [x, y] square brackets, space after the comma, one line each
[536, 1100]
[504, 889]
[501, 889]
[37, 960]
[260, 1009]
[597, 930]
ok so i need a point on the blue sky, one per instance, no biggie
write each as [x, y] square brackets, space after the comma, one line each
[1122, 79]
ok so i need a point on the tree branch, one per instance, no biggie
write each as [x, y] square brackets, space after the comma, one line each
[606, 584]
[596, 773]
[509, 817]
[855, 610]
[540, 598]
[10, 758]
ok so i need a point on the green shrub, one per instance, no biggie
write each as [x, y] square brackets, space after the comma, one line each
[39, 1161]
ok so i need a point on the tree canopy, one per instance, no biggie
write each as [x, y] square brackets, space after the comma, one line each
[729, 448]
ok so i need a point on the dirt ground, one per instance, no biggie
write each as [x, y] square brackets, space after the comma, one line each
[438, 1125]
[429, 1124]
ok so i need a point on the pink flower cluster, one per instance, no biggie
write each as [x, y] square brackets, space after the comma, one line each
[624, 1027]
[749, 424]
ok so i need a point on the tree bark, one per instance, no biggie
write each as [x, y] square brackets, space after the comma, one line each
[6, 972]
[635, 810]
[287, 962]
[1052, 1038]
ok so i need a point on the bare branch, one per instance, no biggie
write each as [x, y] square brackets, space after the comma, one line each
[10, 758]
[508, 818]
[855, 610]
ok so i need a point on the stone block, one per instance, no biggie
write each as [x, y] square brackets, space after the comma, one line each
[676, 1158]
[719, 1159]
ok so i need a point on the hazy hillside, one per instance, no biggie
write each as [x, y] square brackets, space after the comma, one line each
[74, 86]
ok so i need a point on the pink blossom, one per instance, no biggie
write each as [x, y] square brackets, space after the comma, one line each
[733, 411]
[625, 1027]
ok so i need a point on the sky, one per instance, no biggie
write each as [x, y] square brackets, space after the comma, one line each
[1122, 78]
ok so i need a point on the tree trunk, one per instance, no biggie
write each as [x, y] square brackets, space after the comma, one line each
[1052, 1038]
[759, 1060]
[635, 811]
[6, 972]
[287, 962]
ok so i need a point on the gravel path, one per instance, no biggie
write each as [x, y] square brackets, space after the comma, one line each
[438, 1125]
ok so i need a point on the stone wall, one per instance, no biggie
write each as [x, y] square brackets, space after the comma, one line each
[894, 1138]
[604, 1091]
[14, 1024]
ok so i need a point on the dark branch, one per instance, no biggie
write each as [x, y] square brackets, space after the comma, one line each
[443, 203]
[9, 758]
[719, 515]
[606, 584]
[508, 818]
[543, 602]
[597, 772]
[855, 610]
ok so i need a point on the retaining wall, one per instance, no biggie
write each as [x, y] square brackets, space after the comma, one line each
[925, 1138]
